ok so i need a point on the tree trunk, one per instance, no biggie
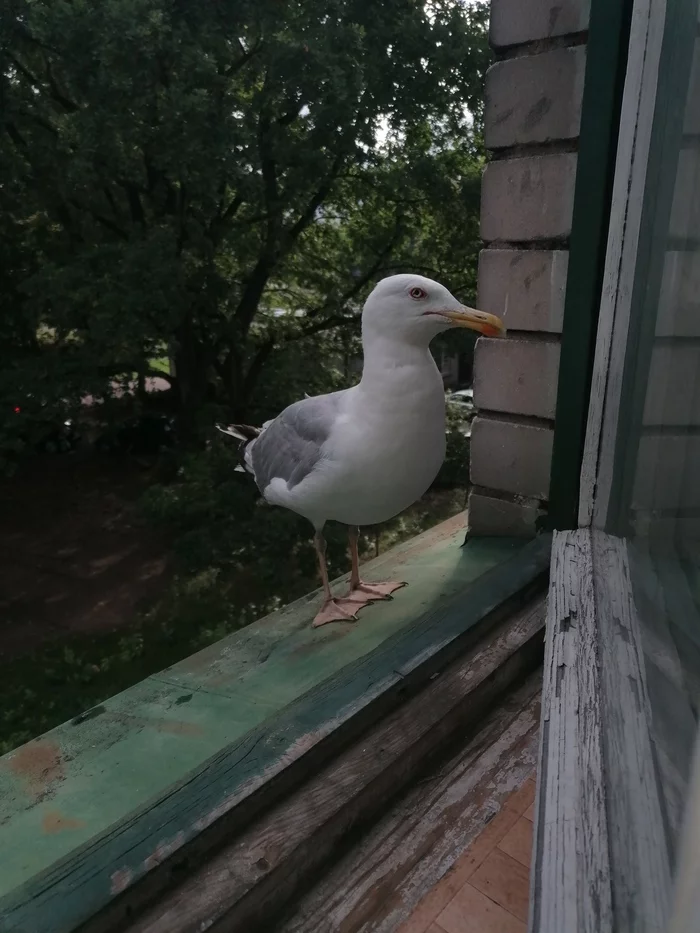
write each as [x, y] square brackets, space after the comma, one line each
[192, 367]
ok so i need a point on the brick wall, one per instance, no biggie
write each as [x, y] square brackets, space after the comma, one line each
[532, 117]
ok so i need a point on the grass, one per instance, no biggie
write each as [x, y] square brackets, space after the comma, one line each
[62, 679]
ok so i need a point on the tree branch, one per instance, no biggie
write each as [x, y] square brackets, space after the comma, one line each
[315, 202]
[134, 199]
[256, 367]
[58, 95]
[243, 60]
[100, 218]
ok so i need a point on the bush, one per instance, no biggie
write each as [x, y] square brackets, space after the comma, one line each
[455, 470]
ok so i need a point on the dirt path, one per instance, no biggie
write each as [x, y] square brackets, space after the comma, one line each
[73, 555]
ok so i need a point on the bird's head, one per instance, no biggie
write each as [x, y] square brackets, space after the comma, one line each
[416, 309]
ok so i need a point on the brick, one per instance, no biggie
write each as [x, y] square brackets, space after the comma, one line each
[516, 21]
[517, 375]
[526, 287]
[534, 99]
[511, 456]
[509, 518]
[679, 300]
[528, 199]
[673, 386]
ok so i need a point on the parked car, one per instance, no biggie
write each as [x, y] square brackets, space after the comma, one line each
[462, 397]
[460, 404]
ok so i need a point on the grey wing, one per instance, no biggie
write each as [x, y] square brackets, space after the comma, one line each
[291, 446]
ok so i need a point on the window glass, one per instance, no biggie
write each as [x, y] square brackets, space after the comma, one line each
[655, 498]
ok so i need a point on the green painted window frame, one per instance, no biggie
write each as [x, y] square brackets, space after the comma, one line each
[606, 62]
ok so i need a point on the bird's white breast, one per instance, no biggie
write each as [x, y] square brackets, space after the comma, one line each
[384, 452]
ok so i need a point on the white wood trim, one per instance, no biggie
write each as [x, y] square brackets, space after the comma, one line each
[601, 861]
[639, 857]
[570, 877]
[638, 103]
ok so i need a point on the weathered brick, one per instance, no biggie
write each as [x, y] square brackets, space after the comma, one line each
[679, 301]
[517, 375]
[526, 287]
[516, 21]
[534, 99]
[528, 199]
[673, 386]
[511, 456]
[515, 518]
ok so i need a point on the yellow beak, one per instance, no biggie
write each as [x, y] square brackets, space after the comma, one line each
[487, 324]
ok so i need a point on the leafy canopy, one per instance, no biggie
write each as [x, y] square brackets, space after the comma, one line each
[174, 174]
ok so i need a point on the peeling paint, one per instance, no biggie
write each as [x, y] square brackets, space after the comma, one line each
[163, 850]
[39, 765]
[53, 821]
[121, 880]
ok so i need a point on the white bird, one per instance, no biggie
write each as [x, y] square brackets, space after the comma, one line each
[362, 455]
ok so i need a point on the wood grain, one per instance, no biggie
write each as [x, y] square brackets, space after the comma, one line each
[409, 865]
[195, 809]
[639, 856]
[570, 881]
[256, 875]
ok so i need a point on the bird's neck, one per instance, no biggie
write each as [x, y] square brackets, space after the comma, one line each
[399, 364]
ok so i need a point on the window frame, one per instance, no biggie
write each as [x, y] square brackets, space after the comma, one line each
[602, 854]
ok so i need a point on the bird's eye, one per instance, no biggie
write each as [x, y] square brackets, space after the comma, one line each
[417, 293]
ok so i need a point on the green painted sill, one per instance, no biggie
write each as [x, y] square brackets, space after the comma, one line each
[99, 802]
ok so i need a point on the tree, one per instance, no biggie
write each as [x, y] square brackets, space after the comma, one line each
[188, 169]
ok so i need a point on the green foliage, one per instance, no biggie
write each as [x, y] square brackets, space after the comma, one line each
[220, 183]
[455, 469]
[205, 603]
[173, 173]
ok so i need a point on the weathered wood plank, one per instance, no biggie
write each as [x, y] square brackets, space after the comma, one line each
[570, 879]
[204, 805]
[108, 762]
[254, 877]
[378, 883]
[639, 856]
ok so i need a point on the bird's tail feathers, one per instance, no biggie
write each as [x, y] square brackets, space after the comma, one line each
[242, 432]
[245, 435]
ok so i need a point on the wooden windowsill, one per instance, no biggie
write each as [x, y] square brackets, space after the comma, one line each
[92, 806]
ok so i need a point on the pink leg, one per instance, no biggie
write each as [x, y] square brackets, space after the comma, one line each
[361, 594]
[333, 608]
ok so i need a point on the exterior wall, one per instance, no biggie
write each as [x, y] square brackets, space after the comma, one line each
[533, 110]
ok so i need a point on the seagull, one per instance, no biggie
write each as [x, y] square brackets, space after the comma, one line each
[362, 455]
